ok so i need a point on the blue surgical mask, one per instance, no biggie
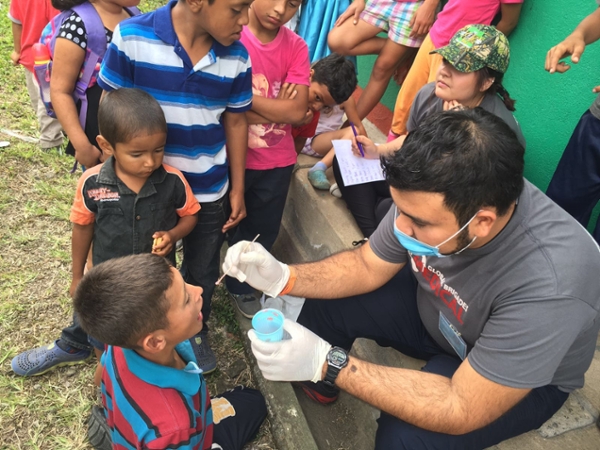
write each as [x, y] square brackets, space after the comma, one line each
[419, 248]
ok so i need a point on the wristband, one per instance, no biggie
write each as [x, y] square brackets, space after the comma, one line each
[291, 281]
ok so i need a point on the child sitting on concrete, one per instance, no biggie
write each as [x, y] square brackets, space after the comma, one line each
[132, 203]
[153, 392]
[406, 23]
[332, 82]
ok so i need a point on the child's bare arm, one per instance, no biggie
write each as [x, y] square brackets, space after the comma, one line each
[253, 118]
[423, 18]
[67, 61]
[354, 10]
[349, 107]
[277, 110]
[17, 29]
[287, 92]
[510, 17]
[81, 242]
[236, 135]
[299, 144]
[165, 240]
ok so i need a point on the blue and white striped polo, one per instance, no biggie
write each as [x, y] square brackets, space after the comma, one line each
[145, 53]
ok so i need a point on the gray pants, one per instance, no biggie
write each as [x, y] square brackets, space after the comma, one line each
[50, 130]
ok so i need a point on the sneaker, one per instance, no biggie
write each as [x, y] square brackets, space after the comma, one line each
[206, 359]
[335, 190]
[319, 180]
[319, 392]
[99, 433]
[42, 359]
[248, 304]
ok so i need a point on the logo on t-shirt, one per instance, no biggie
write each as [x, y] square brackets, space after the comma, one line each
[103, 195]
[265, 135]
[439, 287]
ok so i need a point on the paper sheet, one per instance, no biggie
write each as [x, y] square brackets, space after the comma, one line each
[354, 169]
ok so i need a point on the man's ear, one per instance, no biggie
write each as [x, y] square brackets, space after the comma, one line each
[312, 72]
[482, 223]
[153, 342]
[104, 145]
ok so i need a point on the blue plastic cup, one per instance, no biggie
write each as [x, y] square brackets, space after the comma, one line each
[268, 325]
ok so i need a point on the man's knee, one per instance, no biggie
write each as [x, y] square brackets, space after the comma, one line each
[393, 433]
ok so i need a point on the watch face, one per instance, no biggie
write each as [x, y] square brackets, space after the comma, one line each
[337, 356]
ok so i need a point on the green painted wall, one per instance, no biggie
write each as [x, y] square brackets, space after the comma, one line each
[548, 106]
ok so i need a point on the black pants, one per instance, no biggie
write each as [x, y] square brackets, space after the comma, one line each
[202, 250]
[239, 426]
[389, 316]
[368, 202]
[265, 195]
[575, 185]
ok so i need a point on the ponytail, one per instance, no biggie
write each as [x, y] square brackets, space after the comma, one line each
[504, 95]
[496, 88]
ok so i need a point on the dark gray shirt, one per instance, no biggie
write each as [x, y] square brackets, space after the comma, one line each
[427, 103]
[526, 304]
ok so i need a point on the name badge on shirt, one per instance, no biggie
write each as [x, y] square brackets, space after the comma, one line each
[453, 337]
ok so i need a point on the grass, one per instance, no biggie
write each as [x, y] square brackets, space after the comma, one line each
[36, 192]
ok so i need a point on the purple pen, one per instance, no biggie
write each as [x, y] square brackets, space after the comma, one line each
[360, 147]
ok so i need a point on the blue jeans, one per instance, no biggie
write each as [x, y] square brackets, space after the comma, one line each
[202, 248]
[390, 317]
[575, 185]
[265, 195]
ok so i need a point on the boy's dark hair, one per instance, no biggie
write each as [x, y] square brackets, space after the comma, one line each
[472, 157]
[122, 300]
[63, 5]
[125, 113]
[338, 74]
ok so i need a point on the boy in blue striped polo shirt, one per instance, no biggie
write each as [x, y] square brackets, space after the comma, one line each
[187, 55]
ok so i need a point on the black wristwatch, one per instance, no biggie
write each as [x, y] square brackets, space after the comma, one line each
[337, 359]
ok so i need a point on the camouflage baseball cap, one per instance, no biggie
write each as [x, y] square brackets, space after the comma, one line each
[476, 46]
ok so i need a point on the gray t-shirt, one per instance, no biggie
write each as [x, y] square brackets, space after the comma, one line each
[526, 304]
[427, 103]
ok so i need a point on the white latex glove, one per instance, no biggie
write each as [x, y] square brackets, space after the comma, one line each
[300, 358]
[251, 263]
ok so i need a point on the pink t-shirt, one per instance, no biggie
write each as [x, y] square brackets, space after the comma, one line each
[459, 13]
[284, 59]
[33, 15]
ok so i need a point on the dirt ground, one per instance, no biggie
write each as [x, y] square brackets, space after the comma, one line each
[36, 192]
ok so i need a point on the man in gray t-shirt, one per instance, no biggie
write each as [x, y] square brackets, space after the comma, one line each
[473, 270]
[575, 185]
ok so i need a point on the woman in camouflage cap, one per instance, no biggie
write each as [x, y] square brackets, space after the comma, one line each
[474, 64]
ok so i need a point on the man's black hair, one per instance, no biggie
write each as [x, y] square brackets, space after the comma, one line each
[122, 300]
[338, 74]
[472, 157]
[128, 112]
